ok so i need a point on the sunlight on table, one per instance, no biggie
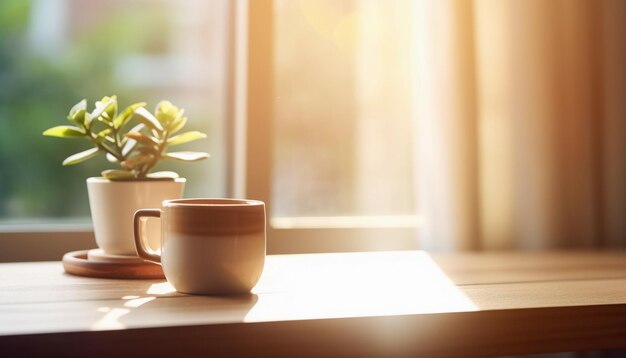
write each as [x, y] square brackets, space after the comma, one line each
[161, 288]
[111, 318]
[340, 285]
[315, 286]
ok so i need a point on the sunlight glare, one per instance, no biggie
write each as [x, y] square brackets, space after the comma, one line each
[110, 320]
[364, 285]
[138, 301]
[160, 288]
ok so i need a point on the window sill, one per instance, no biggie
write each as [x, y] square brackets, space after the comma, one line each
[43, 242]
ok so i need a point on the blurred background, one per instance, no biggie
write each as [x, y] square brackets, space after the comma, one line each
[55, 53]
[490, 124]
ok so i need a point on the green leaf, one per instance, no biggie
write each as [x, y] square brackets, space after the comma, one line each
[105, 139]
[178, 125]
[77, 113]
[107, 147]
[82, 105]
[65, 132]
[174, 122]
[148, 119]
[166, 112]
[111, 110]
[104, 119]
[88, 120]
[186, 137]
[78, 118]
[179, 115]
[186, 156]
[116, 174]
[163, 175]
[111, 158]
[137, 128]
[127, 114]
[105, 132]
[81, 157]
[130, 144]
[107, 104]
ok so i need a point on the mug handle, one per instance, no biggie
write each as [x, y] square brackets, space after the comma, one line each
[142, 248]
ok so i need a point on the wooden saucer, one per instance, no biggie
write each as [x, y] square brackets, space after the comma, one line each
[77, 263]
[100, 256]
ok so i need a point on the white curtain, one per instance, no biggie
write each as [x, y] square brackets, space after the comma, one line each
[520, 109]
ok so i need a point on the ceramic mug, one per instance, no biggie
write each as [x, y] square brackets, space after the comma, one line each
[208, 246]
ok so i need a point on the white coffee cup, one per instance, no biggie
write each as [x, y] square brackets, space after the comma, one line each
[208, 246]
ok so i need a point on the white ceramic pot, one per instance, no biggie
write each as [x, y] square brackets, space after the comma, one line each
[113, 204]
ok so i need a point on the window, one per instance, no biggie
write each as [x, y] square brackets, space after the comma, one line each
[53, 53]
[329, 123]
[306, 108]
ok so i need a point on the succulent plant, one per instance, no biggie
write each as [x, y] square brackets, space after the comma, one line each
[136, 149]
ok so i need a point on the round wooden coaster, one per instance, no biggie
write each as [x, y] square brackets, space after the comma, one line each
[76, 263]
[100, 256]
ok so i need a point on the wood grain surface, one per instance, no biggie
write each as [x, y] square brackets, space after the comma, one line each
[385, 303]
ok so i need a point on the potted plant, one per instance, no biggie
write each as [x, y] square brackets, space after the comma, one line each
[135, 140]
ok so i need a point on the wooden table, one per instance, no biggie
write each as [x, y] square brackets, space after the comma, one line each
[389, 303]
